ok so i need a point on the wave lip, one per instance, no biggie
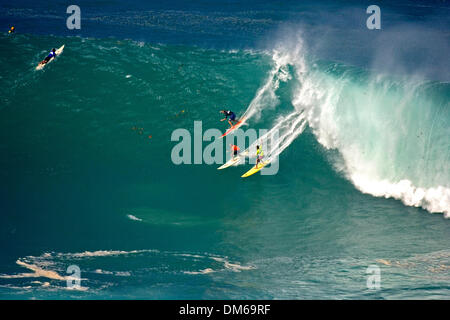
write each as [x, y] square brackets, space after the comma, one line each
[391, 133]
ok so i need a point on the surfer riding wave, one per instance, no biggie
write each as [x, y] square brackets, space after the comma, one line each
[231, 114]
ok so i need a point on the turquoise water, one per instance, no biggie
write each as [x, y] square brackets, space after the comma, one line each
[87, 177]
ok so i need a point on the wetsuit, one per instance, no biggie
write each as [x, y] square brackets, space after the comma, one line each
[230, 114]
[50, 55]
[235, 150]
[259, 155]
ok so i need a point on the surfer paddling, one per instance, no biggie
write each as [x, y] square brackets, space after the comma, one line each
[51, 55]
[231, 114]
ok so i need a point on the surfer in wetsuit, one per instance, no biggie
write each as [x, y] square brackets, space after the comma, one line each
[52, 54]
[259, 155]
[231, 114]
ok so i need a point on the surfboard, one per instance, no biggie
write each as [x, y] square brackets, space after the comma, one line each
[230, 162]
[233, 161]
[255, 169]
[234, 127]
[41, 66]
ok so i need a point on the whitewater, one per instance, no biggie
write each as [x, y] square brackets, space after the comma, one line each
[391, 132]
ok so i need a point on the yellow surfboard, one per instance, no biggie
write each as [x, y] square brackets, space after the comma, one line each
[255, 169]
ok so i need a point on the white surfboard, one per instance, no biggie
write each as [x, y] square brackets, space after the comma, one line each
[229, 163]
[41, 65]
[233, 161]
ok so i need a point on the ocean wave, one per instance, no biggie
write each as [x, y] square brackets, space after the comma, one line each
[391, 132]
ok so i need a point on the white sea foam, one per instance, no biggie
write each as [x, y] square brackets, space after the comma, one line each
[131, 217]
[204, 271]
[189, 255]
[266, 97]
[435, 200]
[100, 271]
[227, 265]
[52, 265]
[102, 253]
[38, 272]
[236, 267]
[286, 129]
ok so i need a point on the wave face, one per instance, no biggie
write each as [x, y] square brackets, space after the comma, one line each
[392, 135]
[87, 177]
[391, 132]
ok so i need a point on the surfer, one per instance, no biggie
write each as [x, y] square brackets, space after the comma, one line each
[231, 114]
[259, 155]
[52, 54]
[12, 30]
[235, 149]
